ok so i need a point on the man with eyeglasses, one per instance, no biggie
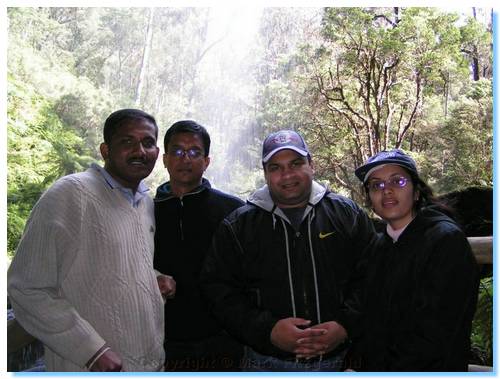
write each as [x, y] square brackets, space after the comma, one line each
[188, 211]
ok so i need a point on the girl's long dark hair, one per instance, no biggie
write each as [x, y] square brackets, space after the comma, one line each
[427, 198]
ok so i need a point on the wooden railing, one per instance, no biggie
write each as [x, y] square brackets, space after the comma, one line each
[482, 247]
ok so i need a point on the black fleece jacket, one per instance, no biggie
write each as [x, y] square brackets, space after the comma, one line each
[420, 300]
[184, 229]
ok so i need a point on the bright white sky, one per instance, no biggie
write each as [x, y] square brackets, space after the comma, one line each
[237, 26]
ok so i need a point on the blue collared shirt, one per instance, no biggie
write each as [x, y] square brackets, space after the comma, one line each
[132, 198]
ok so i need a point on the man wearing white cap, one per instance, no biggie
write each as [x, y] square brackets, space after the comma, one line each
[283, 272]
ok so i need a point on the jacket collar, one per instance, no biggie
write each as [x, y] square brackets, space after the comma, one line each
[425, 218]
[262, 199]
[164, 191]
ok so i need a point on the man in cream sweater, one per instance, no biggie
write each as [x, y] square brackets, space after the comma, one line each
[82, 279]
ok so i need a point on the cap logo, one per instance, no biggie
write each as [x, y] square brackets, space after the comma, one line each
[384, 155]
[283, 138]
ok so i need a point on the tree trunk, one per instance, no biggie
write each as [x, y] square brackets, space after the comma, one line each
[475, 57]
[145, 58]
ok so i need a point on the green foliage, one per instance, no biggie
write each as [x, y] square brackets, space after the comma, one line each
[41, 147]
[40, 150]
[466, 156]
[476, 42]
[482, 327]
[381, 78]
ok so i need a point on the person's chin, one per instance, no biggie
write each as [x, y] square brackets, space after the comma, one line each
[184, 177]
[140, 172]
[292, 201]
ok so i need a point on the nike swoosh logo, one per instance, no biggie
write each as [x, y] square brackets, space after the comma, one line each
[324, 235]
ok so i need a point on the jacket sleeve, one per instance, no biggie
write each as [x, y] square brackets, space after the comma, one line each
[363, 236]
[444, 308]
[45, 253]
[223, 284]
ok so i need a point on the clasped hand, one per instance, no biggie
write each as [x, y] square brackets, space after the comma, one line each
[167, 286]
[296, 336]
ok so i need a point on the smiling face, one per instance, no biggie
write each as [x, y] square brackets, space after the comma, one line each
[132, 152]
[289, 177]
[394, 204]
[185, 171]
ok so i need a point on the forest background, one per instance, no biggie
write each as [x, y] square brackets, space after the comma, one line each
[354, 81]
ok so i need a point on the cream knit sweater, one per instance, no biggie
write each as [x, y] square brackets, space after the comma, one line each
[83, 276]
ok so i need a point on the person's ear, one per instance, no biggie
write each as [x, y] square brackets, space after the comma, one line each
[104, 150]
[207, 162]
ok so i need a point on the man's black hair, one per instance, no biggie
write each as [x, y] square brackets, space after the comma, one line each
[188, 126]
[120, 117]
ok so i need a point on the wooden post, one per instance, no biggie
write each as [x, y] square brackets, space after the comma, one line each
[482, 247]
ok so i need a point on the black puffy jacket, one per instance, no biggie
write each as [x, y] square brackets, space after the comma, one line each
[184, 229]
[261, 270]
[420, 300]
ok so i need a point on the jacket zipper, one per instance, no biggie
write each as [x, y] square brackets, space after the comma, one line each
[290, 279]
[180, 219]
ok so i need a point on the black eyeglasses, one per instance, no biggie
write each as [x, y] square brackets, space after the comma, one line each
[191, 153]
[393, 183]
